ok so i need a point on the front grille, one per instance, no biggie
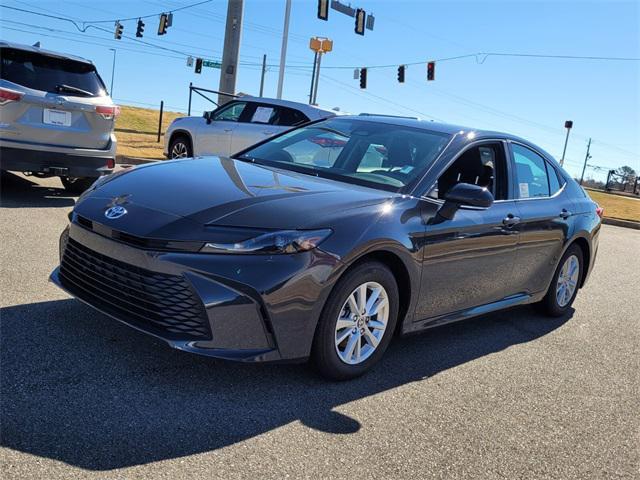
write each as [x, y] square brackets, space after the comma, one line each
[163, 304]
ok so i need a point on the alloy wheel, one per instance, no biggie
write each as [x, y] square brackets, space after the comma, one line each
[567, 281]
[179, 150]
[361, 323]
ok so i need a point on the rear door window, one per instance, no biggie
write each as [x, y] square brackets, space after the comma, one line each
[290, 117]
[531, 173]
[50, 74]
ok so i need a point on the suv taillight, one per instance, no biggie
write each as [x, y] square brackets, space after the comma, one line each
[108, 111]
[600, 211]
[7, 96]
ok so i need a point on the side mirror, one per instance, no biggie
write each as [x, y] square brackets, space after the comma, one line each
[464, 195]
[207, 117]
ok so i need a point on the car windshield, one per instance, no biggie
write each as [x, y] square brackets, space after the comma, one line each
[375, 154]
[50, 74]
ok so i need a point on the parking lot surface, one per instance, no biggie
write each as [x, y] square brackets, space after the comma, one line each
[509, 395]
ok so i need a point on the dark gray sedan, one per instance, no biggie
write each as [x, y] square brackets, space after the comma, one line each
[326, 240]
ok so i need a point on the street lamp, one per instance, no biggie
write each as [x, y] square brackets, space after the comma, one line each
[113, 70]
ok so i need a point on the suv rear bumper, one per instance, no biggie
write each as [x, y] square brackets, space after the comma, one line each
[72, 162]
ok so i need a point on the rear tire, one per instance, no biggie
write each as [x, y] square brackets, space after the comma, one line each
[180, 147]
[365, 341]
[77, 185]
[565, 283]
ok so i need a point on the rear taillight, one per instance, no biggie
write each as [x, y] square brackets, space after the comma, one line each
[600, 211]
[108, 111]
[111, 163]
[7, 96]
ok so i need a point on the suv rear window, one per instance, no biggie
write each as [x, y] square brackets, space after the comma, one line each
[47, 73]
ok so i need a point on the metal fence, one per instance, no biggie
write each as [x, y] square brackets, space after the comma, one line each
[199, 90]
[622, 183]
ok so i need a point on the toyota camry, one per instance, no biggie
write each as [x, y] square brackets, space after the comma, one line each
[323, 242]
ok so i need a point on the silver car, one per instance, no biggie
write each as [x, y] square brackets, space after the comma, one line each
[56, 118]
[236, 125]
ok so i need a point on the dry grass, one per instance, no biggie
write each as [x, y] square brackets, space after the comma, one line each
[617, 206]
[137, 130]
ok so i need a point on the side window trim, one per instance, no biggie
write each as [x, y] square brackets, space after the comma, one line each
[514, 180]
[478, 143]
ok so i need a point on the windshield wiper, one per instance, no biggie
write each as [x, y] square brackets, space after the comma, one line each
[68, 88]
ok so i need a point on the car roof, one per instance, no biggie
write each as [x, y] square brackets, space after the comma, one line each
[50, 53]
[303, 107]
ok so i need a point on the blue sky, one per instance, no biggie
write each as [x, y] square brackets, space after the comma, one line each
[531, 97]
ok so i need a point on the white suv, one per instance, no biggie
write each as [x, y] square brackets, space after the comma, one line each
[236, 125]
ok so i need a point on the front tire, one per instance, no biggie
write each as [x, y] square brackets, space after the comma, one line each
[357, 322]
[77, 185]
[565, 284]
[180, 147]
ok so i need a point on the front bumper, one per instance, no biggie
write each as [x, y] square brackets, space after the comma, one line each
[255, 308]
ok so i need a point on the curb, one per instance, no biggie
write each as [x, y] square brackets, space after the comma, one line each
[621, 223]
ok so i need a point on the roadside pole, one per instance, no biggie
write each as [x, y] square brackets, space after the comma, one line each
[283, 50]
[113, 71]
[231, 53]
[264, 70]
[315, 91]
[568, 125]
[586, 157]
[313, 77]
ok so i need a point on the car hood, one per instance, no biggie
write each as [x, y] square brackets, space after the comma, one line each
[213, 191]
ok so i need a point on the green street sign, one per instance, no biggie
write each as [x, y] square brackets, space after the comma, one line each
[211, 64]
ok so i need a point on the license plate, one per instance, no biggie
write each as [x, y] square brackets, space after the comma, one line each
[56, 117]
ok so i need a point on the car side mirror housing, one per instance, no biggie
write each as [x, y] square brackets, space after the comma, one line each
[207, 117]
[464, 195]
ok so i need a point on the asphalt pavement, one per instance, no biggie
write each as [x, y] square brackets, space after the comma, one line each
[505, 396]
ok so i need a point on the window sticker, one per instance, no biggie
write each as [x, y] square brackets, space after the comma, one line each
[524, 190]
[262, 115]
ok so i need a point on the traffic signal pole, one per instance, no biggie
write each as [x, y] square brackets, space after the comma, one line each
[231, 53]
[313, 77]
[315, 89]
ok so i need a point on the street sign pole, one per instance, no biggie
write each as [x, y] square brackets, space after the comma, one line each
[315, 90]
[313, 77]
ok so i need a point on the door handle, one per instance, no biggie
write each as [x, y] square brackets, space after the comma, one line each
[510, 220]
[565, 213]
[268, 132]
[228, 129]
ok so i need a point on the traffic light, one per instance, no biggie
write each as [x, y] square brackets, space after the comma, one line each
[198, 65]
[323, 9]
[431, 70]
[117, 33]
[401, 74]
[140, 29]
[363, 78]
[164, 23]
[361, 16]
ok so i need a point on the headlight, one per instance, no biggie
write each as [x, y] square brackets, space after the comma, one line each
[285, 241]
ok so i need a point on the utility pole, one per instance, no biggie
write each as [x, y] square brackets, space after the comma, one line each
[231, 53]
[113, 71]
[586, 157]
[283, 50]
[264, 70]
[568, 125]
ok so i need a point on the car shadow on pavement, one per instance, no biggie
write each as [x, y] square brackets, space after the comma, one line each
[18, 192]
[81, 388]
